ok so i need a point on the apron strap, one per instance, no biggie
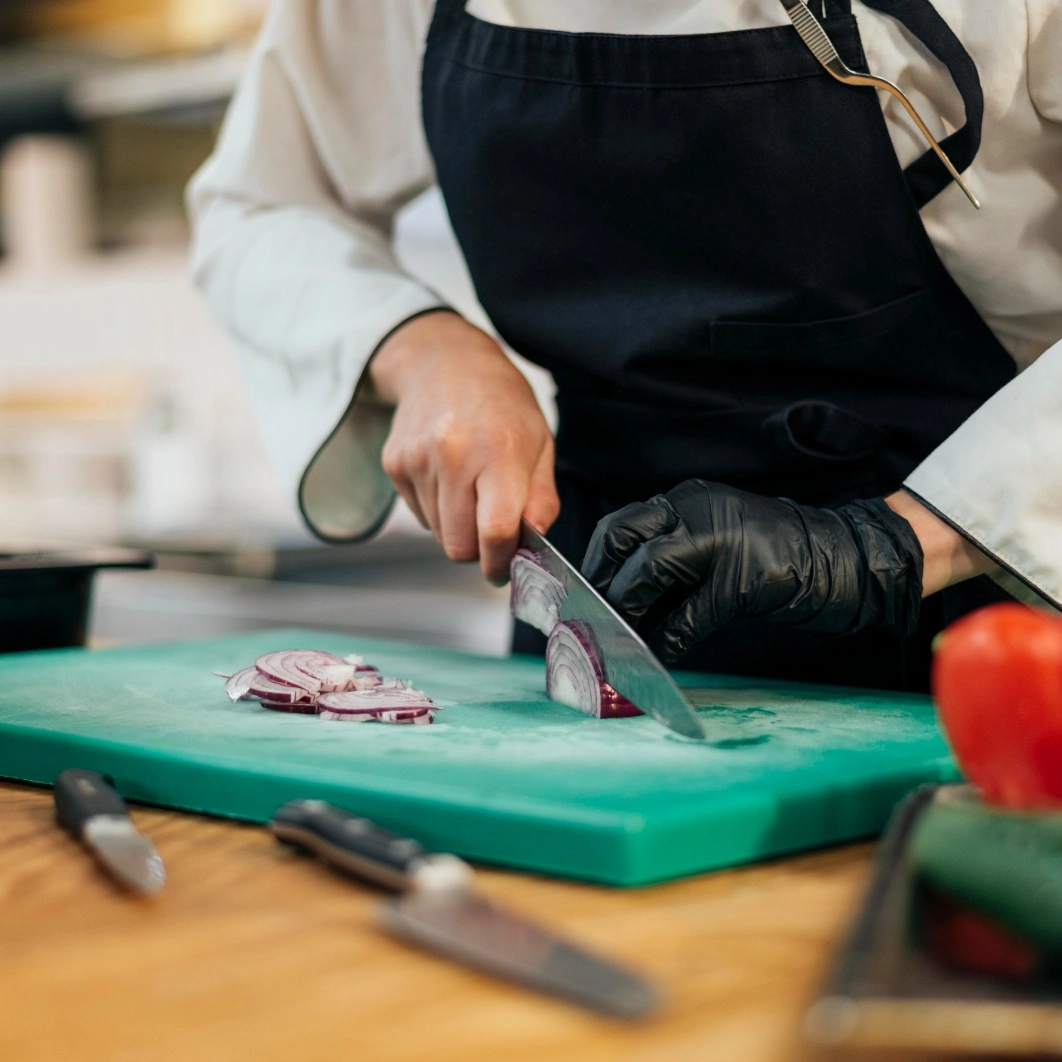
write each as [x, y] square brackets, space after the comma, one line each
[926, 176]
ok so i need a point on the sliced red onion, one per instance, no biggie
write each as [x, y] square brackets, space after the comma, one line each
[304, 680]
[238, 686]
[382, 698]
[284, 667]
[419, 716]
[332, 671]
[298, 708]
[535, 593]
[574, 675]
[336, 677]
[271, 690]
[359, 662]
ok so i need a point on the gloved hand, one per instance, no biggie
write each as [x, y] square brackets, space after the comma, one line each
[685, 563]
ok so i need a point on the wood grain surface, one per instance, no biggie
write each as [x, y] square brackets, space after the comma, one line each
[254, 953]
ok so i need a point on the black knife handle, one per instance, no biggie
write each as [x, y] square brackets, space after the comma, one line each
[81, 795]
[362, 849]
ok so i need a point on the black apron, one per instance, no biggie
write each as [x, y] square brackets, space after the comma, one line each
[711, 245]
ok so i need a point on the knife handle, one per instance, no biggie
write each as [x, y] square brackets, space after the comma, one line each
[82, 795]
[361, 849]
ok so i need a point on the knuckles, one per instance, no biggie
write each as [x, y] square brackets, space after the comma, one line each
[498, 532]
[459, 550]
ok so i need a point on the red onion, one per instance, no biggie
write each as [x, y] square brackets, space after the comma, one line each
[284, 667]
[359, 662]
[536, 594]
[305, 681]
[419, 717]
[416, 715]
[269, 689]
[389, 702]
[296, 708]
[382, 698]
[238, 686]
[574, 675]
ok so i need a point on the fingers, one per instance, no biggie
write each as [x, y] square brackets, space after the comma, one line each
[455, 495]
[501, 495]
[693, 620]
[617, 536]
[543, 503]
[655, 572]
[413, 488]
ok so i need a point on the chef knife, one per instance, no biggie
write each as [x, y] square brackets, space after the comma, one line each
[88, 806]
[438, 910]
[629, 665]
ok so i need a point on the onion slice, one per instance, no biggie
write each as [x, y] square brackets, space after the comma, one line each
[238, 686]
[535, 593]
[269, 689]
[296, 708]
[575, 676]
[382, 698]
[418, 716]
[284, 667]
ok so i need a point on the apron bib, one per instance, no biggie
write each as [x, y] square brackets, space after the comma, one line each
[711, 245]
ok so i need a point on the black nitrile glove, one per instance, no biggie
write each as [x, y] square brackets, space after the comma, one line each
[687, 562]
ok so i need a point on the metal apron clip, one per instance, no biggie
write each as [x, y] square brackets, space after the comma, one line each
[818, 41]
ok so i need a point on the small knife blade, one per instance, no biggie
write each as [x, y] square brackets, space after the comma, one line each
[88, 806]
[439, 911]
[630, 667]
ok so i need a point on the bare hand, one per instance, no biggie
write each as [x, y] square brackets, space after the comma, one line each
[469, 449]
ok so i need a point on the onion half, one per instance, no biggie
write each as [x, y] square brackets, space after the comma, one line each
[575, 676]
[535, 593]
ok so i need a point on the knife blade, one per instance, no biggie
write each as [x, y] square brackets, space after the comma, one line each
[630, 667]
[439, 911]
[88, 806]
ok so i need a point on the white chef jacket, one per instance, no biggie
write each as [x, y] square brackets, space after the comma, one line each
[323, 144]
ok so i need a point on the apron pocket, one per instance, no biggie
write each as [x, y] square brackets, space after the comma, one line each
[863, 340]
[825, 432]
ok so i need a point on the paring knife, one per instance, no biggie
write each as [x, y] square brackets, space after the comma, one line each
[629, 665]
[88, 806]
[439, 911]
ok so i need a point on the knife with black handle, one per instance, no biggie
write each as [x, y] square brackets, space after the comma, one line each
[438, 910]
[88, 806]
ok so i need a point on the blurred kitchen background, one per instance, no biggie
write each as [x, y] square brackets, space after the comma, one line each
[123, 415]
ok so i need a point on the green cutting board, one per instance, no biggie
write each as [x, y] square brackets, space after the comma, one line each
[503, 776]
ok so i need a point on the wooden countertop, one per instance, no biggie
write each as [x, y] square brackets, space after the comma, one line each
[254, 953]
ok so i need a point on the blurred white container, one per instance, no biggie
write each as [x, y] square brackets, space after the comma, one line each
[48, 202]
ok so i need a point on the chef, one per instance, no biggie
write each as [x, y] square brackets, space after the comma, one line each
[808, 395]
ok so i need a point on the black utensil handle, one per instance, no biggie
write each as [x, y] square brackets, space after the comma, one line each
[81, 795]
[352, 844]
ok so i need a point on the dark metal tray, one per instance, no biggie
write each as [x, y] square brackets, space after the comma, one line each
[45, 597]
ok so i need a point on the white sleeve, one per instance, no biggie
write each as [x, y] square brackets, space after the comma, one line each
[998, 479]
[292, 219]
[1045, 57]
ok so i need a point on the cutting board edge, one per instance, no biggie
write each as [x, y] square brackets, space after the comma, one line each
[593, 849]
[811, 820]
[630, 852]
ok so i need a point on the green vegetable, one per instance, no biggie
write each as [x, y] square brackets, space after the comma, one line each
[1005, 864]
